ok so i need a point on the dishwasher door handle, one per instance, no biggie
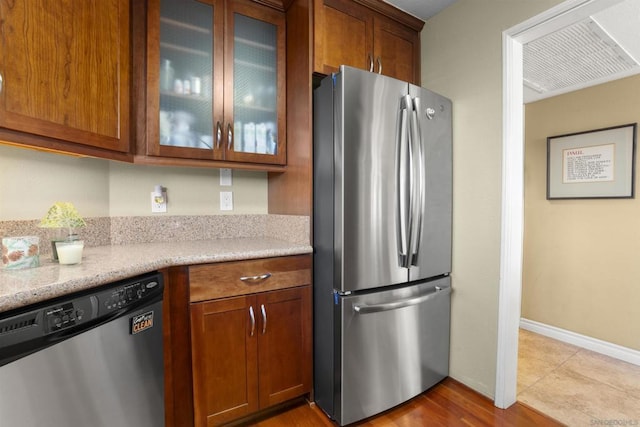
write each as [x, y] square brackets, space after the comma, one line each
[394, 305]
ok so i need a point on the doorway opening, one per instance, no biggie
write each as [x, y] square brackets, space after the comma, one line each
[514, 39]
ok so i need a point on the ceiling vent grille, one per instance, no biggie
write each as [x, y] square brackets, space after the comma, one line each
[574, 56]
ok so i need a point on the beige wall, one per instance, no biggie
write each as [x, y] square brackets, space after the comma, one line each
[462, 59]
[30, 181]
[581, 269]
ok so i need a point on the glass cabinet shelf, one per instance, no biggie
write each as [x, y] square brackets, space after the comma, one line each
[247, 42]
[254, 65]
[185, 25]
[184, 49]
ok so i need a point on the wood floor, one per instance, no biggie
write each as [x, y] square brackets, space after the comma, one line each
[446, 404]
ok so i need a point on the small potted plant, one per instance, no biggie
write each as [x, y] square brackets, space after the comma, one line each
[65, 217]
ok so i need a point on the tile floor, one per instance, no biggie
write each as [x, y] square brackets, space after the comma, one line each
[575, 386]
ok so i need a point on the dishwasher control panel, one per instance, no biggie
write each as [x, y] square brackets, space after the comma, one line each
[69, 314]
[125, 295]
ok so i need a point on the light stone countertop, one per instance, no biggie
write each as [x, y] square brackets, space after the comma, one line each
[104, 264]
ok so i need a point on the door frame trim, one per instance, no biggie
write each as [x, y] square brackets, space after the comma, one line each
[512, 224]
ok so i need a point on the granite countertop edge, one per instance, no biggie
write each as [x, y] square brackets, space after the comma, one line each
[105, 264]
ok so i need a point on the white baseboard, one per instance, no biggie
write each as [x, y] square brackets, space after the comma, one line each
[608, 349]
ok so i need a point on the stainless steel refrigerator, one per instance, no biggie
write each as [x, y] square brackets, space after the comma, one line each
[382, 242]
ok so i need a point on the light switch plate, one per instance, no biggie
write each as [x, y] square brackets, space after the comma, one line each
[225, 177]
[226, 201]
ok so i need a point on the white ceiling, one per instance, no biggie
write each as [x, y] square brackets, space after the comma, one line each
[423, 9]
[602, 47]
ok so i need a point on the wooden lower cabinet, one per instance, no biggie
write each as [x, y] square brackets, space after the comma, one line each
[249, 352]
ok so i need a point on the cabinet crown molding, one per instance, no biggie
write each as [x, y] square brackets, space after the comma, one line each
[393, 13]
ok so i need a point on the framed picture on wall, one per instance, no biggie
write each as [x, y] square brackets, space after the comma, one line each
[593, 164]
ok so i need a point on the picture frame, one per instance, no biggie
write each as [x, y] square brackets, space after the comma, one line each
[593, 164]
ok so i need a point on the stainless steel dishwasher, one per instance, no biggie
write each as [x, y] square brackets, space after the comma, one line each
[87, 359]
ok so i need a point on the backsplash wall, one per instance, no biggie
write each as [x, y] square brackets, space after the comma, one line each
[146, 229]
[31, 181]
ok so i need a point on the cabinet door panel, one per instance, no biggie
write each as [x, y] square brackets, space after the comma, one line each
[343, 36]
[255, 86]
[65, 70]
[184, 78]
[216, 83]
[224, 360]
[398, 49]
[284, 343]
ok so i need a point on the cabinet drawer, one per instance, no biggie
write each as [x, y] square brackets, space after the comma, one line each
[227, 279]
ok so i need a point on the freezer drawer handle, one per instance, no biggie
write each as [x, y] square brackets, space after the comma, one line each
[257, 278]
[375, 308]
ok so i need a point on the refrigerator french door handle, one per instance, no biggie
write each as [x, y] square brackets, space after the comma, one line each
[394, 305]
[418, 184]
[402, 180]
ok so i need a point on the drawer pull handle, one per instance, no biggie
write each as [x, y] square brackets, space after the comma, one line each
[255, 278]
[253, 320]
[264, 318]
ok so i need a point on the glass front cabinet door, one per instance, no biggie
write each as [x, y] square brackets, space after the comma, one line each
[216, 81]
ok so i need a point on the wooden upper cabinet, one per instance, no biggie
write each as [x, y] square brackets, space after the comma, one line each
[65, 69]
[366, 34]
[215, 82]
[396, 50]
[343, 36]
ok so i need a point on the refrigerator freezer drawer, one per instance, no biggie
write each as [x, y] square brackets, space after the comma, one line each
[395, 345]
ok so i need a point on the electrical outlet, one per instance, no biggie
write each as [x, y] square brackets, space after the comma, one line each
[226, 201]
[225, 177]
[158, 202]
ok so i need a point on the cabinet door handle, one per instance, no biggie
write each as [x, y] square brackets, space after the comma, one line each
[264, 318]
[255, 278]
[218, 134]
[229, 136]
[370, 63]
[379, 61]
[253, 320]
[1, 82]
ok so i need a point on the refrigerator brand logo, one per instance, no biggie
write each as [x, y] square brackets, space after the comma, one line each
[431, 113]
[141, 322]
